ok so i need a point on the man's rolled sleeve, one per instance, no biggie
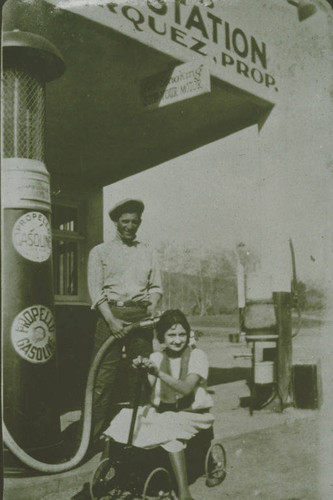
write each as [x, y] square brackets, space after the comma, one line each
[155, 280]
[95, 278]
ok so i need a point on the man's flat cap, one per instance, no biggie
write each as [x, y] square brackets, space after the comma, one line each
[126, 206]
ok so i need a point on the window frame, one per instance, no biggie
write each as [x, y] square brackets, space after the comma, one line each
[79, 238]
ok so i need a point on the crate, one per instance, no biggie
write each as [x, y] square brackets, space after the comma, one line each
[307, 385]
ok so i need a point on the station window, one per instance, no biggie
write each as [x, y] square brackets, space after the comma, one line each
[67, 251]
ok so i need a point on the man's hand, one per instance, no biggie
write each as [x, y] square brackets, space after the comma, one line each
[117, 327]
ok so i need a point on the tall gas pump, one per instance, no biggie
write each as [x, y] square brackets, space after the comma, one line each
[29, 358]
[31, 419]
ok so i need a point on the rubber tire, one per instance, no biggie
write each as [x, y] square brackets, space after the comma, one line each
[220, 472]
[168, 495]
[99, 475]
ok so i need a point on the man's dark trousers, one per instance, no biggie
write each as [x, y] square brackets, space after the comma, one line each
[138, 342]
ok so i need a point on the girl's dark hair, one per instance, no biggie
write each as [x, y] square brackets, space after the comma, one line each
[170, 318]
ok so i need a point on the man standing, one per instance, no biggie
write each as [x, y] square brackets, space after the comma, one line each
[125, 286]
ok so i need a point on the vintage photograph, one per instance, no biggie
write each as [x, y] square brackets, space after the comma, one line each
[166, 252]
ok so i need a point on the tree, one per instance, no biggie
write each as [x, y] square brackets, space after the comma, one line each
[193, 277]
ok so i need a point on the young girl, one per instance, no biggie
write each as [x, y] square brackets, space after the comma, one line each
[180, 402]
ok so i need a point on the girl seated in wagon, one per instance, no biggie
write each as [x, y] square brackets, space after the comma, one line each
[180, 403]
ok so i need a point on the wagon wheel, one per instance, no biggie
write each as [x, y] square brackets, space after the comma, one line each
[215, 464]
[158, 486]
[103, 480]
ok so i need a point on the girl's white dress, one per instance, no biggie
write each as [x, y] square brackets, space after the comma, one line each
[169, 429]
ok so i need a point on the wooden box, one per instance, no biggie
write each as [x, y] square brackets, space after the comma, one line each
[307, 385]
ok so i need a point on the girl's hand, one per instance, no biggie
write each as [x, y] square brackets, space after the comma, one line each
[152, 368]
[146, 364]
[140, 362]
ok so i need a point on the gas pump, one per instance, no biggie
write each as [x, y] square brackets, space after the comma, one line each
[30, 382]
[31, 419]
[268, 327]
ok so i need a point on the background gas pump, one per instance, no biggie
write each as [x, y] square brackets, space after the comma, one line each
[268, 327]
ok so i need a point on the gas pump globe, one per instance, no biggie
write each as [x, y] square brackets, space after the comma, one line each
[30, 380]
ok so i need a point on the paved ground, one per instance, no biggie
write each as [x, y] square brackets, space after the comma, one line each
[271, 456]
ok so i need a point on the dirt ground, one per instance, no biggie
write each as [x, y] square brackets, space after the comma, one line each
[270, 456]
[277, 463]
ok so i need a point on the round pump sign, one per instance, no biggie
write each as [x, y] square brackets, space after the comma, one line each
[32, 236]
[33, 334]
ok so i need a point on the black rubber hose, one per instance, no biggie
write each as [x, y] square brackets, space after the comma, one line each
[87, 416]
[86, 429]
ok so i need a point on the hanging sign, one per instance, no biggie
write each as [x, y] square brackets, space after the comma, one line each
[184, 81]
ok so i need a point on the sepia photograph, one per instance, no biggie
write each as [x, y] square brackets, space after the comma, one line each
[166, 249]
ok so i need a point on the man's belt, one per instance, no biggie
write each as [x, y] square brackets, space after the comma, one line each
[128, 303]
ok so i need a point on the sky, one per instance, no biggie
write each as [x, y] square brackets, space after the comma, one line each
[192, 199]
[213, 198]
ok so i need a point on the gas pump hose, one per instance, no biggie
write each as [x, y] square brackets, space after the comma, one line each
[87, 419]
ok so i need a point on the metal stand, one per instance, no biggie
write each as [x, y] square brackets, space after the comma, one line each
[135, 407]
